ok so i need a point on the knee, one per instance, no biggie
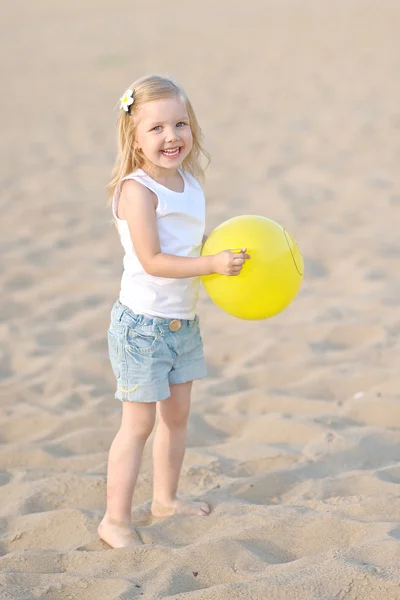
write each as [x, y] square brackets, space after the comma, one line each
[175, 420]
[138, 419]
[143, 430]
[140, 429]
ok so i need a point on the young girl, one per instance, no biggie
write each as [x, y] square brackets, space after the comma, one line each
[154, 337]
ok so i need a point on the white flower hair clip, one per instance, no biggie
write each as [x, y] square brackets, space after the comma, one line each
[127, 100]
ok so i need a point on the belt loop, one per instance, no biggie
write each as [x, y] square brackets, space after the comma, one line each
[122, 312]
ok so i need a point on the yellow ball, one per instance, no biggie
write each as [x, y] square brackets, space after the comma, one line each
[269, 281]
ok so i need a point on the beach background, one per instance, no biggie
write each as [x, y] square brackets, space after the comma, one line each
[294, 438]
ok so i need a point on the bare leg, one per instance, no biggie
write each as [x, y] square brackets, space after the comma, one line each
[168, 453]
[123, 468]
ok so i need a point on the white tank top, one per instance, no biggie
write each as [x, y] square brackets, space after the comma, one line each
[180, 221]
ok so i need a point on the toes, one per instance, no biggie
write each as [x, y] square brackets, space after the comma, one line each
[181, 507]
[205, 508]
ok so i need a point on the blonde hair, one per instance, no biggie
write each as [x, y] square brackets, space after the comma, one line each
[129, 158]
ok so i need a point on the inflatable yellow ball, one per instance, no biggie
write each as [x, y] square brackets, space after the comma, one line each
[268, 281]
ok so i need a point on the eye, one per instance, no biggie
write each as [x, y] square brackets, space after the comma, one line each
[157, 128]
[181, 124]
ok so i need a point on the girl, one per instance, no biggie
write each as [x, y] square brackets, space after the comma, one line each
[154, 337]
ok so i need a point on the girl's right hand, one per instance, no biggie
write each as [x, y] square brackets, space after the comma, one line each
[228, 262]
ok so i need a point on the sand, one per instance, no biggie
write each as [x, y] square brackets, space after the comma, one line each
[294, 438]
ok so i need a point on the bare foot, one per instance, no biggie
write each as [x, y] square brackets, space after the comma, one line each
[180, 507]
[117, 535]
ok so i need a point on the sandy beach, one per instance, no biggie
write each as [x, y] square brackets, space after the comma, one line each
[294, 437]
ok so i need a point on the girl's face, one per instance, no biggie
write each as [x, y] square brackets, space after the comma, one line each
[163, 133]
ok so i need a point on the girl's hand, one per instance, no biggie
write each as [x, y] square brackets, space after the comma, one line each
[228, 262]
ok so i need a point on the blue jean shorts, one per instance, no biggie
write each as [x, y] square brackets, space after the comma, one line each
[148, 354]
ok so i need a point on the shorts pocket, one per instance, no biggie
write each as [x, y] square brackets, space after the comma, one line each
[141, 343]
[191, 341]
[114, 345]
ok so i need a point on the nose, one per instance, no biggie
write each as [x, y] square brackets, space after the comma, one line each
[171, 135]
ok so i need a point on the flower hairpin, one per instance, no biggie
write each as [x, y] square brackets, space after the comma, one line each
[127, 100]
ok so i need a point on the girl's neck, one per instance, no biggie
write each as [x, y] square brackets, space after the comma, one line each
[163, 176]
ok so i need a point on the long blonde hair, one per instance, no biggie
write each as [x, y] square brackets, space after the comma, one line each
[129, 158]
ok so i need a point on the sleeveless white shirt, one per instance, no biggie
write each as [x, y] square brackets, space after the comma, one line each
[180, 221]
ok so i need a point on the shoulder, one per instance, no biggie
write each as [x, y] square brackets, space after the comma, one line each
[132, 191]
[192, 180]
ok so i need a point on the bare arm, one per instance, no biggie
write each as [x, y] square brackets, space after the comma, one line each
[138, 206]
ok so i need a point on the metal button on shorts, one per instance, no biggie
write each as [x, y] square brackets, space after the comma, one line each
[175, 325]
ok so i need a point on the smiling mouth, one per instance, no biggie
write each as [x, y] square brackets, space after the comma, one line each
[172, 152]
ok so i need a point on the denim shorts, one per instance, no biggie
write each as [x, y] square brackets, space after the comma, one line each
[149, 353]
